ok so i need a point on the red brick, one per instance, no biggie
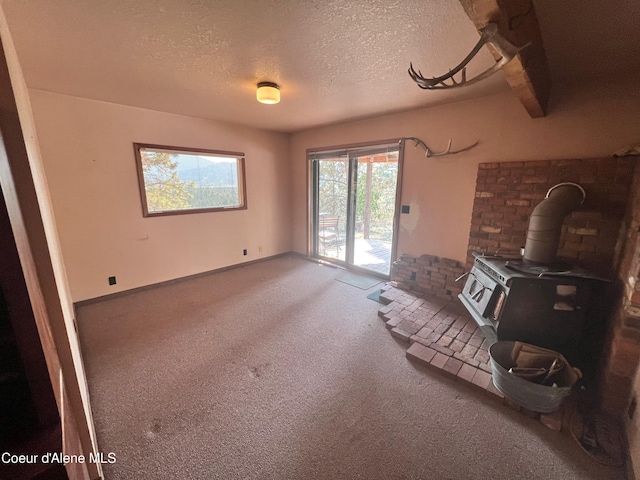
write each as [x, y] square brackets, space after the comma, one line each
[420, 354]
[488, 166]
[424, 332]
[460, 322]
[466, 372]
[535, 179]
[519, 203]
[457, 346]
[441, 328]
[452, 367]
[508, 195]
[505, 210]
[401, 334]
[393, 322]
[467, 360]
[481, 379]
[579, 247]
[439, 360]
[469, 351]
[445, 341]
[482, 356]
[538, 163]
[484, 366]
[443, 350]
[536, 197]
[583, 231]
[464, 336]
[414, 338]
[470, 328]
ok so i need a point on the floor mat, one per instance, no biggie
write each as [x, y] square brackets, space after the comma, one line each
[375, 296]
[361, 281]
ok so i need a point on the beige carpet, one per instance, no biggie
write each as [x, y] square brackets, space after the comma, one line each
[277, 371]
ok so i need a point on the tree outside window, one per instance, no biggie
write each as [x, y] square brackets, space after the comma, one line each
[177, 180]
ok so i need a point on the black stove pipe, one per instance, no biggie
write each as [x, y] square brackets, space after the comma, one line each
[545, 224]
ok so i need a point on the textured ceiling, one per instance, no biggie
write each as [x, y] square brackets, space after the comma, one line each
[335, 60]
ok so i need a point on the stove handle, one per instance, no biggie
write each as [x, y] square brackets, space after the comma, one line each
[478, 295]
[462, 276]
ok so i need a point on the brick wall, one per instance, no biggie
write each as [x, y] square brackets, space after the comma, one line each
[602, 235]
[507, 193]
[622, 351]
[428, 274]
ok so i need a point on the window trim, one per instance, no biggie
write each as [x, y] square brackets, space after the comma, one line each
[242, 180]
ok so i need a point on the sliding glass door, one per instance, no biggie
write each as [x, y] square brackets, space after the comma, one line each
[332, 207]
[354, 201]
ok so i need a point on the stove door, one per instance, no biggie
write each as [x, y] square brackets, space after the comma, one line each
[480, 292]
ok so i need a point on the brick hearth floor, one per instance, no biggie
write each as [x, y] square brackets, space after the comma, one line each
[443, 336]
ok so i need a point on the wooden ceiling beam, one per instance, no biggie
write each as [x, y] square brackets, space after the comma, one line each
[528, 72]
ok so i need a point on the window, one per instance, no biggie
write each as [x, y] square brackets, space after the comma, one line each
[177, 180]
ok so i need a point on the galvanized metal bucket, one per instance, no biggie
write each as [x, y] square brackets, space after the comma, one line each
[533, 396]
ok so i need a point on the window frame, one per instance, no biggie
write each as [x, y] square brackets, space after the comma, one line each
[242, 178]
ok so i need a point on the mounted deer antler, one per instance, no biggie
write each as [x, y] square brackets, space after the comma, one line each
[488, 34]
[431, 153]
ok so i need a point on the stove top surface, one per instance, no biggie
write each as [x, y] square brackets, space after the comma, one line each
[555, 268]
[509, 267]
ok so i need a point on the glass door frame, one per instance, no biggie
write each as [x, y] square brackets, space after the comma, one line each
[313, 205]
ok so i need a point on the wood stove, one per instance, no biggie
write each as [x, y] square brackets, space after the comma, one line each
[550, 306]
[537, 299]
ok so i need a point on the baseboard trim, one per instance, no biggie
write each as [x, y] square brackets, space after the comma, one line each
[130, 291]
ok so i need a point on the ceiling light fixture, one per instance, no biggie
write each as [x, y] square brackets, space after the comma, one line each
[268, 92]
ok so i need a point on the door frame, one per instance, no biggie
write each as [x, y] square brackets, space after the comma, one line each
[30, 213]
[312, 203]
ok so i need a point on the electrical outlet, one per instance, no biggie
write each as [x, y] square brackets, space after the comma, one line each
[112, 280]
[244, 252]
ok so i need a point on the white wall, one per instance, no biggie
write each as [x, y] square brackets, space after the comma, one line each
[90, 167]
[581, 123]
[87, 148]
